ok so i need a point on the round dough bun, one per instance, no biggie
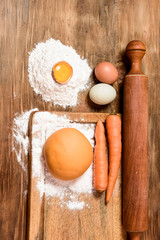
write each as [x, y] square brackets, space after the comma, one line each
[68, 153]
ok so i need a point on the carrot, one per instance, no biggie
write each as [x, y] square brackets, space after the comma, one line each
[113, 127]
[100, 159]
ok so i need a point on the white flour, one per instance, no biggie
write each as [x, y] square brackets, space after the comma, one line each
[41, 61]
[67, 192]
[20, 135]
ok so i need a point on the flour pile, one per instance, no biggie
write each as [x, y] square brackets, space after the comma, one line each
[41, 61]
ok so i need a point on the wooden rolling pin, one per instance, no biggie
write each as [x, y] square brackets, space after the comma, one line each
[135, 144]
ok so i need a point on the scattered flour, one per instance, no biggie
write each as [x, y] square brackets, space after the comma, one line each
[20, 135]
[68, 192]
[75, 205]
[45, 123]
[41, 61]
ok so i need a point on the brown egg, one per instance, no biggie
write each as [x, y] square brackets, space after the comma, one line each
[106, 72]
[68, 153]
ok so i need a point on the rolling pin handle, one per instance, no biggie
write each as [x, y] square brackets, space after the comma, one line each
[134, 235]
[135, 51]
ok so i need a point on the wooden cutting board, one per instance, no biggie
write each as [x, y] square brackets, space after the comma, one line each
[48, 220]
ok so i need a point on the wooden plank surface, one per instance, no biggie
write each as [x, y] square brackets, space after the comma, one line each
[99, 30]
[47, 218]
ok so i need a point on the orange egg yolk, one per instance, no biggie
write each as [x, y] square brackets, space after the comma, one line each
[62, 72]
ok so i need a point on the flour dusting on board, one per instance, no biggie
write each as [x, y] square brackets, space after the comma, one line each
[41, 61]
[20, 135]
[45, 123]
[68, 192]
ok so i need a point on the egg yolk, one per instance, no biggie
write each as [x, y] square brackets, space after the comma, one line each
[62, 72]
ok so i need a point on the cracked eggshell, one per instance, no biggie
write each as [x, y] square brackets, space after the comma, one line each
[102, 94]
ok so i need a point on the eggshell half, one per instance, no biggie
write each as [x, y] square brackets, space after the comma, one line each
[102, 94]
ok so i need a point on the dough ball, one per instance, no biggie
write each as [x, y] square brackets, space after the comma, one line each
[68, 153]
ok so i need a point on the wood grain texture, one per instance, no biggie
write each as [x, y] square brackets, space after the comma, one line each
[48, 220]
[99, 30]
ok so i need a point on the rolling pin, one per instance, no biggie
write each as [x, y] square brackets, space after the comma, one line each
[135, 144]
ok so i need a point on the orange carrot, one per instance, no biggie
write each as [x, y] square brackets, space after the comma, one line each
[100, 159]
[113, 127]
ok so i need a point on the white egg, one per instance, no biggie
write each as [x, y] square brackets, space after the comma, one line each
[102, 94]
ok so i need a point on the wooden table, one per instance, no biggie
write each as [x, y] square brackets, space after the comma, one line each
[99, 30]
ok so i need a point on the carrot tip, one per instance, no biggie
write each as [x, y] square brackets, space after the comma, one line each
[107, 200]
[100, 191]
